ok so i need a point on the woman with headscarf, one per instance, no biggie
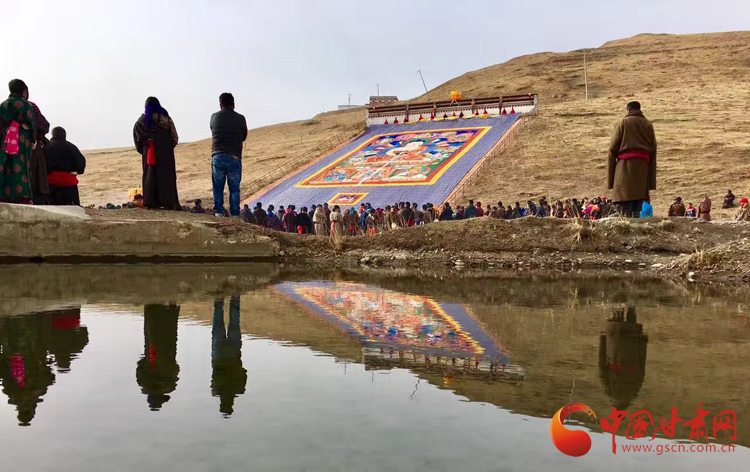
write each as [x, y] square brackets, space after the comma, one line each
[744, 212]
[319, 220]
[17, 140]
[155, 138]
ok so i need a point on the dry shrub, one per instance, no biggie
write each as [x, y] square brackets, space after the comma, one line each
[646, 228]
[702, 259]
[619, 224]
[667, 225]
[581, 230]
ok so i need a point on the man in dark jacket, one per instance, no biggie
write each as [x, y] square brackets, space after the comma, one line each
[631, 163]
[304, 223]
[260, 214]
[64, 162]
[677, 208]
[246, 215]
[228, 131]
[470, 211]
[447, 213]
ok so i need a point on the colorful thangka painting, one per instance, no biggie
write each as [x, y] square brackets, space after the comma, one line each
[405, 158]
[347, 199]
[391, 318]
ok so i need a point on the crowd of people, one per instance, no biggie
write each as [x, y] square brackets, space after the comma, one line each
[703, 211]
[35, 170]
[329, 220]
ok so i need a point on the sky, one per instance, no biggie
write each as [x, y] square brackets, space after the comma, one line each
[90, 64]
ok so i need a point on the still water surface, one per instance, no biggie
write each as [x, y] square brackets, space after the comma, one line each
[229, 368]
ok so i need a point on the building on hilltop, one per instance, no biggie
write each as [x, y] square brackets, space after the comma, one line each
[382, 100]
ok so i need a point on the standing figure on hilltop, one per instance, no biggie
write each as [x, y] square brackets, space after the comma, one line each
[17, 139]
[228, 132]
[155, 138]
[632, 161]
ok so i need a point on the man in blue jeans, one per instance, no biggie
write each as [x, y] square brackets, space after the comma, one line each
[229, 131]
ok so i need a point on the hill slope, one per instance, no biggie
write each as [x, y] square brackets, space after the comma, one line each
[693, 87]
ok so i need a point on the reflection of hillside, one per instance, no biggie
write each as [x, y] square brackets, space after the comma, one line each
[560, 346]
[555, 338]
[29, 346]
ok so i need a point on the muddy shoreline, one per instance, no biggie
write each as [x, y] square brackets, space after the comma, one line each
[679, 248]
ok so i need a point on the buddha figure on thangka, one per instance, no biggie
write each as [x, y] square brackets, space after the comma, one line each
[414, 158]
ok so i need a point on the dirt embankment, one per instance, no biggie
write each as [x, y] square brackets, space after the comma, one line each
[670, 247]
[679, 247]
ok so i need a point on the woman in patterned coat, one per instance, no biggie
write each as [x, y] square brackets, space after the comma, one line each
[17, 140]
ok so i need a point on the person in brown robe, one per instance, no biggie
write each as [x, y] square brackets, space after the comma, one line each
[337, 222]
[631, 165]
[319, 220]
[38, 164]
[159, 182]
[351, 218]
[704, 209]
[677, 208]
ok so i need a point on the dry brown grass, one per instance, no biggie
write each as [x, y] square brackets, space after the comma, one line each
[111, 172]
[693, 87]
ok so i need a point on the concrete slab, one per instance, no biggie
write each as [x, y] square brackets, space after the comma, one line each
[69, 233]
[11, 213]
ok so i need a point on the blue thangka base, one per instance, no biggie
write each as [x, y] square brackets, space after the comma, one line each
[421, 163]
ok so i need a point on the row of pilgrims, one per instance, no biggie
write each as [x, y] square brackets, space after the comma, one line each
[433, 115]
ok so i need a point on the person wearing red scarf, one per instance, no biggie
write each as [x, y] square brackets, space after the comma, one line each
[632, 161]
[64, 164]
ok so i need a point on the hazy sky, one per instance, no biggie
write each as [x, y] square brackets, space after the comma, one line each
[91, 64]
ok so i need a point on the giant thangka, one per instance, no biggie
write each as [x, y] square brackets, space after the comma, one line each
[418, 162]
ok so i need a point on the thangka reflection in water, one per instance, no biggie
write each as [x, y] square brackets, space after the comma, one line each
[229, 378]
[157, 371]
[29, 346]
[622, 357]
[384, 319]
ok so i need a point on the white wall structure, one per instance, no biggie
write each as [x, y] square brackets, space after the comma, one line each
[452, 110]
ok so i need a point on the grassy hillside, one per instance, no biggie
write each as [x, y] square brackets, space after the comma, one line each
[695, 88]
[111, 172]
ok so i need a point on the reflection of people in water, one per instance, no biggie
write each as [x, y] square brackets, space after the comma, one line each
[157, 372]
[229, 377]
[25, 342]
[622, 357]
